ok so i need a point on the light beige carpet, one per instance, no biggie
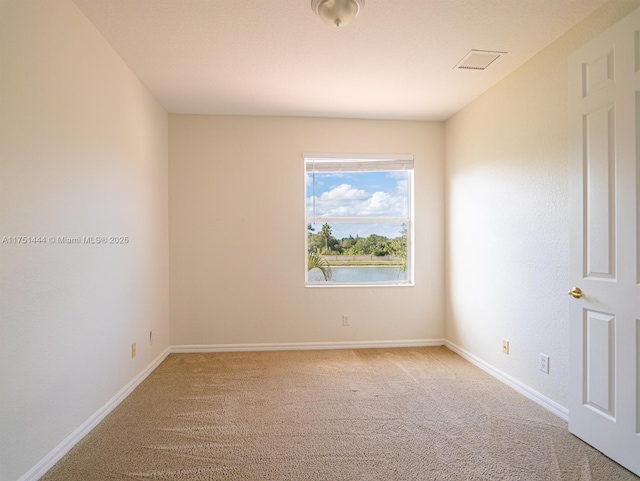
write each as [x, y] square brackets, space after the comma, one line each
[376, 414]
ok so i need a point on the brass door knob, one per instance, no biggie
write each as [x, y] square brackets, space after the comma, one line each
[576, 292]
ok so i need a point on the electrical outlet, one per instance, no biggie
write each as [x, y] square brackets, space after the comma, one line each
[150, 337]
[133, 350]
[345, 320]
[505, 346]
[544, 363]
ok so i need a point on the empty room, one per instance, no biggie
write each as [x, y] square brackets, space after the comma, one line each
[319, 240]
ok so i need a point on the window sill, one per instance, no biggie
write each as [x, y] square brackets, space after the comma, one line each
[338, 284]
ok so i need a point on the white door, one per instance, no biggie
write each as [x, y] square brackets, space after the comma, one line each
[604, 122]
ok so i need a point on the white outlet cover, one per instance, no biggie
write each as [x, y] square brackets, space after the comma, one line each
[544, 363]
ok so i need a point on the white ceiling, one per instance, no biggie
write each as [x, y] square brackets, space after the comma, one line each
[260, 57]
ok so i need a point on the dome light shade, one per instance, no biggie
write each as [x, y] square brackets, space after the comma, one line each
[337, 13]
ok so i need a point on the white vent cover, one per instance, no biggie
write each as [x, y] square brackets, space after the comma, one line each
[478, 59]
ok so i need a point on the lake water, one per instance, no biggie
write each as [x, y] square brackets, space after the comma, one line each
[360, 274]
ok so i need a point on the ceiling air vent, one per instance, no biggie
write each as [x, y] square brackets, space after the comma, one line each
[478, 59]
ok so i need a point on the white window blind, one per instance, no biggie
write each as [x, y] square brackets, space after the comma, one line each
[359, 163]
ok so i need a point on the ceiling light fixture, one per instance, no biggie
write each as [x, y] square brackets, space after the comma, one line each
[337, 13]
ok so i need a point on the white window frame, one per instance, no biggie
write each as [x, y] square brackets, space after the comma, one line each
[319, 162]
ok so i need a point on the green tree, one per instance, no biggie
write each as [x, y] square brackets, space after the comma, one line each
[315, 243]
[347, 243]
[378, 245]
[398, 246]
[361, 247]
[381, 248]
[326, 234]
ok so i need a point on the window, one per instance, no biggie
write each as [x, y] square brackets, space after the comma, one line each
[359, 220]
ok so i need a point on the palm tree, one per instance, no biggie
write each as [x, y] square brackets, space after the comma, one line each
[316, 260]
[325, 233]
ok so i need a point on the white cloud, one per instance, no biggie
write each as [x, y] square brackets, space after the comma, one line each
[309, 181]
[402, 186]
[345, 200]
[337, 175]
[397, 174]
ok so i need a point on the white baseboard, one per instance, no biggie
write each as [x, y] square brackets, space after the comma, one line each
[300, 346]
[535, 396]
[65, 446]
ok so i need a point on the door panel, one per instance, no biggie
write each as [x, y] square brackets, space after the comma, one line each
[637, 376]
[600, 193]
[598, 73]
[637, 105]
[599, 363]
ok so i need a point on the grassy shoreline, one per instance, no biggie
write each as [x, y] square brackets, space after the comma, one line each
[363, 263]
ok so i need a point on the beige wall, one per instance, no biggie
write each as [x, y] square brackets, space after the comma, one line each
[237, 233]
[83, 152]
[507, 218]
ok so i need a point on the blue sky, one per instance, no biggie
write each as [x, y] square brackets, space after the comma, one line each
[358, 194]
